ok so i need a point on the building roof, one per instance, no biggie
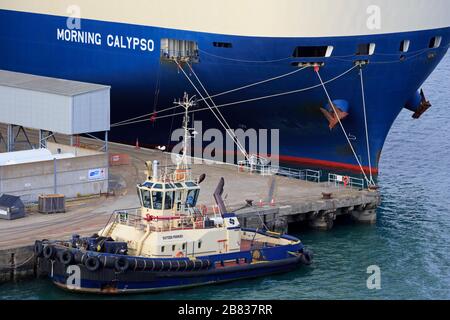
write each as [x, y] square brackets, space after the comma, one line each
[48, 85]
[61, 106]
[30, 156]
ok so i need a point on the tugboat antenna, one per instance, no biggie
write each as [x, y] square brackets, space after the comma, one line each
[186, 103]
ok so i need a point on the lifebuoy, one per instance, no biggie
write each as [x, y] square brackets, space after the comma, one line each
[346, 180]
[179, 254]
[92, 263]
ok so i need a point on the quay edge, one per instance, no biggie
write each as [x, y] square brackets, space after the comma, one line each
[319, 213]
[17, 264]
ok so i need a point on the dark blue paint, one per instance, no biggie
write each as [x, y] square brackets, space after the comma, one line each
[29, 44]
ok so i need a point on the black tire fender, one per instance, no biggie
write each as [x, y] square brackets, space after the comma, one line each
[38, 248]
[65, 257]
[306, 258]
[92, 263]
[121, 264]
[49, 252]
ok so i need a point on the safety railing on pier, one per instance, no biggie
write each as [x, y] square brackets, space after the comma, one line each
[345, 181]
[268, 170]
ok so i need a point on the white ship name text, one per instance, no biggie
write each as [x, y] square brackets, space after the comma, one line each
[113, 41]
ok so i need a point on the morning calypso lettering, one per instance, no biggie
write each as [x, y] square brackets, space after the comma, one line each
[113, 41]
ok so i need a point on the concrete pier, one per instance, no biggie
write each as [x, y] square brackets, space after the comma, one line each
[292, 201]
[317, 212]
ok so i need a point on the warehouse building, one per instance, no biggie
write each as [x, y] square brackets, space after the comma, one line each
[52, 106]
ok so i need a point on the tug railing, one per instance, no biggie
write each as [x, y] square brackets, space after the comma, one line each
[133, 217]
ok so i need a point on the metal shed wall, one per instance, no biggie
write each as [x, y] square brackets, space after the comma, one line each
[61, 106]
[90, 113]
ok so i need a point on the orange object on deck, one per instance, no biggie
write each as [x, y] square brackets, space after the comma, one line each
[180, 174]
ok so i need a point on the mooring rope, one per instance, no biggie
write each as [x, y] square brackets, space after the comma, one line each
[258, 83]
[130, 121]
[235, 138]
[408, 56]
[342, 126]
[13, 266]
[212, 110]
[365, 122]
[243, 60]
[253, 99]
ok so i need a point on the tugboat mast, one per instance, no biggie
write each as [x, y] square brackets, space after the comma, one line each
[185, 103]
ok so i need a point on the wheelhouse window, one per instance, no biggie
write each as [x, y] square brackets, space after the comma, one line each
[435, 42]
[365, 49]
[146, 199]
[168, 203]
[148, 184]
[191, 199]
[313, 51]
[157, 197]
[404, 45]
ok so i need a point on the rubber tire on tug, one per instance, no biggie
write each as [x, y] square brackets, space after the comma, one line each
[306, 258]
[65, 257]
[121, 264]
[49, 252]
[92, 263]
[38, 248]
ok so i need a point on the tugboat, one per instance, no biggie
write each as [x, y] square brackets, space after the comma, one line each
[169, 242]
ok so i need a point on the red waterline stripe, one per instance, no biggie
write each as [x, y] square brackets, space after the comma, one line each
[326, 163]
[304, 161]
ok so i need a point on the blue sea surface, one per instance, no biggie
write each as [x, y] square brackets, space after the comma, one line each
[410, 242]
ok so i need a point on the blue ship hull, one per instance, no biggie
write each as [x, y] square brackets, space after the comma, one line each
[391, 80]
